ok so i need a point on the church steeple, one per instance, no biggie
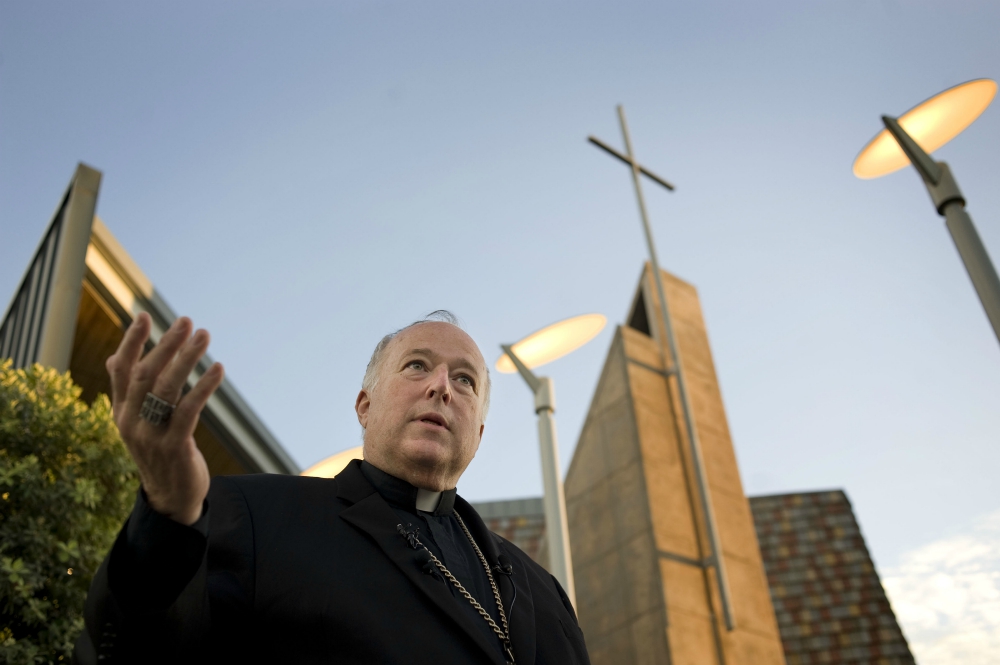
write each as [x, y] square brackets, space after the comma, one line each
[646, 591]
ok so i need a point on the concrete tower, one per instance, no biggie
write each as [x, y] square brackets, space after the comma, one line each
[638, 535]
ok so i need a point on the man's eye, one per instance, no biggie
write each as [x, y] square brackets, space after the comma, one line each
[415, 364]
[466, 380]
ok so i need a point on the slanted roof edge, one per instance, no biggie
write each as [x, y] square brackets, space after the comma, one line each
[251, 433]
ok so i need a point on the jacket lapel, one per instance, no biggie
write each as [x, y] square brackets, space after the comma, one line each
[373, 516]
[521, 617]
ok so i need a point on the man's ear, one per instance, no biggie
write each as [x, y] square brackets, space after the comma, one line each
[481, 428]
[362, 405]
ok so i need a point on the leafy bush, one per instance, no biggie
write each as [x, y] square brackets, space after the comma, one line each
[66, 485]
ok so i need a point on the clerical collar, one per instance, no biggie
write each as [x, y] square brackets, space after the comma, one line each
[403, 494]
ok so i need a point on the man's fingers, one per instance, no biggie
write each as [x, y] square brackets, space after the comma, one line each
[145, 372]
[120, 364]
[186, 414]
[171, 381]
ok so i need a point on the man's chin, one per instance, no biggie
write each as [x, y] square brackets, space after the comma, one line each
[425, 454]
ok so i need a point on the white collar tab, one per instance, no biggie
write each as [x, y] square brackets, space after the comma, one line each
[427, 500]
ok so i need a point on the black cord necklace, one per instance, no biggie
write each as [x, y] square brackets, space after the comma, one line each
[412, 538]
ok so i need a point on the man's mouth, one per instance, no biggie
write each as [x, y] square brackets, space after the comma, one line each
[433, 419]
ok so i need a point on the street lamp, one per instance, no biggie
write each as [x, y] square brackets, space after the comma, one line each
[334, 464]
[908, 140]
[546, 345]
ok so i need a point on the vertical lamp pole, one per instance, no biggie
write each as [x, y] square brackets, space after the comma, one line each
[549, 343]
[560, 559]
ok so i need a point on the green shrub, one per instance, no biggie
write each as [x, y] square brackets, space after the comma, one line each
[66, 485]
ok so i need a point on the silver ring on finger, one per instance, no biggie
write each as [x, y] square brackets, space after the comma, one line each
[156, 411]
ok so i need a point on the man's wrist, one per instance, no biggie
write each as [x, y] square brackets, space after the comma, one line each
[145, 511]
[186, 513]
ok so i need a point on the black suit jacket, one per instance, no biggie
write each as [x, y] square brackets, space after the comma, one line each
[306, 570]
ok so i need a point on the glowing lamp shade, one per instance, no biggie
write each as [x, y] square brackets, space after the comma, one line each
[553, 342]
[334, 464]
[931, 124]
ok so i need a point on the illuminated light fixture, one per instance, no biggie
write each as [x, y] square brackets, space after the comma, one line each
[931, 124]
[334, 464]
[909, 139]
[536, 349]
[553, 342]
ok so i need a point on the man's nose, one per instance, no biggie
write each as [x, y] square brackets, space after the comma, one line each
[440, 385]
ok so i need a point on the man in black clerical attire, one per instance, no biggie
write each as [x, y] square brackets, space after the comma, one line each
[383, 564]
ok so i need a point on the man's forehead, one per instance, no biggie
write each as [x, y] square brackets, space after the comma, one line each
[438, 338]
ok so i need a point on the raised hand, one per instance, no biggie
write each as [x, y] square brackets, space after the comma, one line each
[172, 469]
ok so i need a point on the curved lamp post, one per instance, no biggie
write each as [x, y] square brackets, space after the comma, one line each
[546, 345]
[908, 140]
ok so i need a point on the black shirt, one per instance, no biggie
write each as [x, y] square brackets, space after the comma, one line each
[443, 535]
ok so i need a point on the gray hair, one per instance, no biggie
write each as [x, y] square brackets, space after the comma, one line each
[374, 369]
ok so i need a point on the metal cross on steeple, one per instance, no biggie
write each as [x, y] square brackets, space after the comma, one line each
[674, 365]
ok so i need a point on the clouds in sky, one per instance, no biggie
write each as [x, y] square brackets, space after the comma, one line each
[946, 595]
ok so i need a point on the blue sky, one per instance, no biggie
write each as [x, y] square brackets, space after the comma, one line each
[301, 179]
